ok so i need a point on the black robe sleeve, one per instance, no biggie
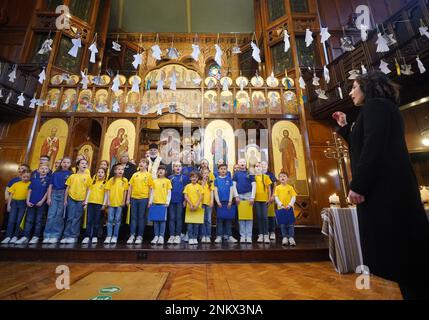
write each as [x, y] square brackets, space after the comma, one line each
[345, 132]
[377, 118]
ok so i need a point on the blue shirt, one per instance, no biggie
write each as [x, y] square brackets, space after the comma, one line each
[59, 178]
[187, 170]
[178, 182]
[223, 185]
[13, 181]
[244, 181]
[36, 174]
[38, 188]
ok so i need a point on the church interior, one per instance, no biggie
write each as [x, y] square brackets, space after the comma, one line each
[99, 78]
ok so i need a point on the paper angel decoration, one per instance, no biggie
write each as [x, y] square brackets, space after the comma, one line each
[173, 53]
[421, 66]
[316, 79]
[46, 46]
[97, 80]
[321, 94]
[156, 52]
[218, 55]
[195, 52]
[116, 46]
[390, 39]
[407, 69]
[364, 32]
[173, 81]
[116, 106]
[326, 74]
[301, 82]
[77, 43]
[160, 86]
[40, 102]
[116, 83]
[308, 37]
[324, 35]
[42, 76]
[382, 44]
[424, 31]
[138, 59]
[225, 85]
[364, 71]
[286, 40]
[33, 103]
[12, 75]
[94, 51]
[159, 109]
[384, 67]
[354, 74]
[347, 44]
[85, 80]
[242, 84]
[21, 100]
[136, 85]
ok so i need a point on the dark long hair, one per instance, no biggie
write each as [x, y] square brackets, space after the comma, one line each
[376, 84]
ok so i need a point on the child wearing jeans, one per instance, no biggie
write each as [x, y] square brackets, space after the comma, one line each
[76, 193]
[224, 192]
[55, 200]
[208, 200]
[285, 196]
[194, 196]
[160, 195]
[95, 204]
[36, 206]
[116, 194]
[175, 211]
[263, 194]
[138, 198]
[271, 219]
[245, 189]
[16, 207]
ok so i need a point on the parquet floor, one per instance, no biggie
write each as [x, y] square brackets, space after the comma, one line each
[291, 281]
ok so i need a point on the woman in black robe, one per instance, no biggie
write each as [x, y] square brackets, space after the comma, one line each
[393, 226]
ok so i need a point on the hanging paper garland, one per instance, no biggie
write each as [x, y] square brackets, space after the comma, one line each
[308, 37]
[93, 49]
[255, 52]
[324, 35]
[381, 44]
[116, 83]
[195, 52]
[218, 55]
[77, 43]
[12, 75]
[364, 32]
[138, 60]
[33, 102]
[42, 76]
[156, 50]
[364, 70]
[136, 84]
[286, 40]
[301, 82]
[21, 100]
[46, 46]
[421, 66]
[85, 80]
[384, 67]
[326, 74]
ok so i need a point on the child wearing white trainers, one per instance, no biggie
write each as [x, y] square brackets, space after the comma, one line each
[95, 205]
[262, 197]
[160, 194]
[208, 200]
[36, 206]
[271, 202]
[194, 197]
[16, 207]
[116, 194]
[285, 197]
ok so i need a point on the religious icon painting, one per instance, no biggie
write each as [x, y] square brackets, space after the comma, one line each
[210, 82]
[259, 102]
[117, 101]
[131, 80]
[257, 81]
[272, 81]
[72, 80]
[101, 99]
[69, 100]
[290, 103]
[122, 80]
[85, 101]
[57, 80]
[105, 80]
[87, 151]
[52, 99]
[119, 138]
[242, 82]
[243, 102]
[226, 101]
[288, 82]
[274, 102]
[132, 103]
[211, 101]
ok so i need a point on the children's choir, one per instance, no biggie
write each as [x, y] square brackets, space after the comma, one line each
[68, 198]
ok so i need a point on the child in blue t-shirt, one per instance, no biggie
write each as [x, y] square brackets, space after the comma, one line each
[36, 205]
[272, 219]
[177, 203]
[224, 192]
[55, 200]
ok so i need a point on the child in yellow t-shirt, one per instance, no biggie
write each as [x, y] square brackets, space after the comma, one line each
[285, 196]
[116, 195]
[95, 201]
[160, 194]
[16, 205]
[208, 202]
[76, 192]
[262, 198]
[138, 198]
[194, 197]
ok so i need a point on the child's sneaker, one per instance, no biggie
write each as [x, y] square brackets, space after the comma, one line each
[53, 240]
[177, 240]
[114, 240]
[94, 240]
[260, 238]
[186, 237]
[23, 240]
[208, 240]
[249, 239]
[6, 240]
[242, 239]
[131, 240]
[272, 236]
[107, 241]
[155, 240]
[85, 240]
[191, 241]
[13, 240]
[285, 241]
[195, 241]
[232, 240]
[171, 239]
[139, 240]
[34, 240]
[71, 240]
[292, 242]
[46, 240]
[63, 240]
[266, 238]
[218, 240]
[160, 240]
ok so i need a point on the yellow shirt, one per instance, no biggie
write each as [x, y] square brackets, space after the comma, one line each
[117, 187]
[96, 192]
[212, 176]
[262, 187]
[19, 190]
[141, 183]
[207, 193]
[78, 185]
[285, 193]
[86, 170]
[194, 192]
[160, 190]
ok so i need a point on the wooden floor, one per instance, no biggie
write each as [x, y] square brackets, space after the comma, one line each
[281, 281]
